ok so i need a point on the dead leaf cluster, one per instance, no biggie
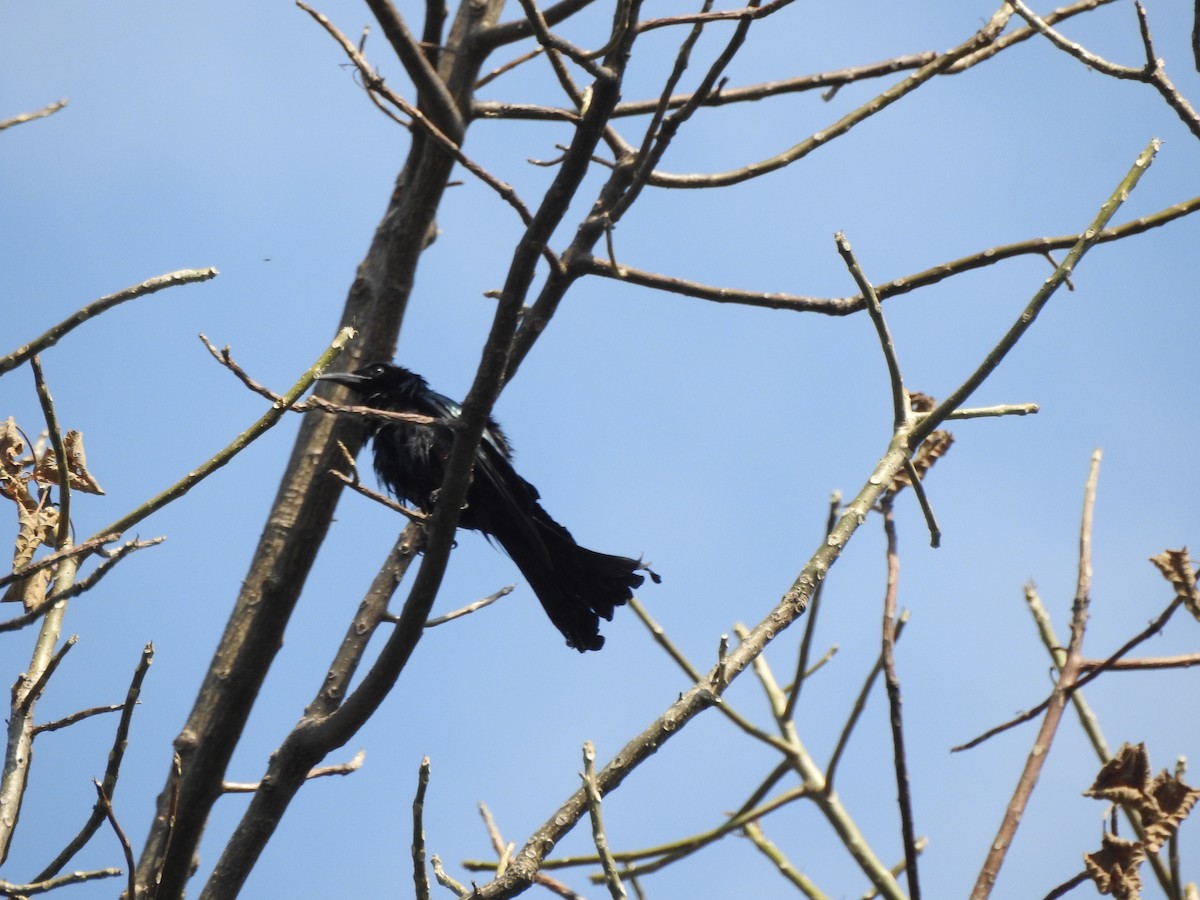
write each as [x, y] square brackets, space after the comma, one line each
[27, 476]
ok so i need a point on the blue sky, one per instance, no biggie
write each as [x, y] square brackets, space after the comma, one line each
[706, 437]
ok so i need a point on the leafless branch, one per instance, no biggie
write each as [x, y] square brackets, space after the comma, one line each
[1067, 677]
[612, 877]
[346, 768]
[108, 786]
[73, 718]
[798, 151]
[82, 549]
[48, 110]
[10, 889]
[111, 815]
[420, 876]
[1152, 73]
[432, 93]
[471, 607]
[69, 589]
[55, 334]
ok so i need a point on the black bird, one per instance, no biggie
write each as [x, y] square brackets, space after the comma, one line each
[575, 585]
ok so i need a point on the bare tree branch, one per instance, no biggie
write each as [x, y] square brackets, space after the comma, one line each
[150, 286]
[48, 110]
[998, 848]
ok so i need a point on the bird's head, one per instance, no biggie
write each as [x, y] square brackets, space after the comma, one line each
[373, 378]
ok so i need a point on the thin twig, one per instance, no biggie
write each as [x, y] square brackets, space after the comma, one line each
[660, 636]
[1150, 663]
[352, 482]
[856, 711]
[350, 766]
[768, 848]
[432, 92]
[375, 84]
[1068, 675]
[900, 410]
[48, 110]
[663, 854]
[243, 440]
[980, 39]
[1067, 886]
[1004, 409]
[445, 880]
[1025, 321]
[81, 549]
[554, 45]
[93, 309]
[504, 849]
[612, 877]
[1146, 633]
[1152, 73]
[34, 692]
[842, 306]
[887, 657]
[67, 589]
[111, 815]
[471, 607]
[9, 889]
[1058, 655]
[420, 875]
[898, 868]
[918, 488]
[507, 67]
[116, 755]
[1088, 719]
[73, 718]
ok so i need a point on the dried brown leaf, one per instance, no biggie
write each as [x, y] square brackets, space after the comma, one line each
[79, 477]
[921, 403]
[1177, 568]
[1114, 867]
[30, 591]
[36, 528]
[12, 445]
[1169, 801]
[12, 477]
[931, 450]
[1125, 778]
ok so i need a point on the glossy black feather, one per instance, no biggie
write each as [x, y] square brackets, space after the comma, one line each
[576, 586]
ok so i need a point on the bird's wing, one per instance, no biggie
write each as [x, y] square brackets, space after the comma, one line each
[494, 467]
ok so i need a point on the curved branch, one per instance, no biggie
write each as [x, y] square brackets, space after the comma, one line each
[48, 110]
[432, 93]
[149, 286]
[980, 39]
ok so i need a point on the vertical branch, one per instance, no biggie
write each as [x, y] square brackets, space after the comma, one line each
[30, 684]
[313, 737]
[420, 876]
[303, 507]
[1058, 700]
[1090, 724]
[612, 877]
[892, 680]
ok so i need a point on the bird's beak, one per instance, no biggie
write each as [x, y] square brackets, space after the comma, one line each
[349, 379]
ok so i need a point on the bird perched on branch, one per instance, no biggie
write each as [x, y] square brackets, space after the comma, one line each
[575, 585]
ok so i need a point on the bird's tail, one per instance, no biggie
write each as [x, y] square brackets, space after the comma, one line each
[576, 586]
